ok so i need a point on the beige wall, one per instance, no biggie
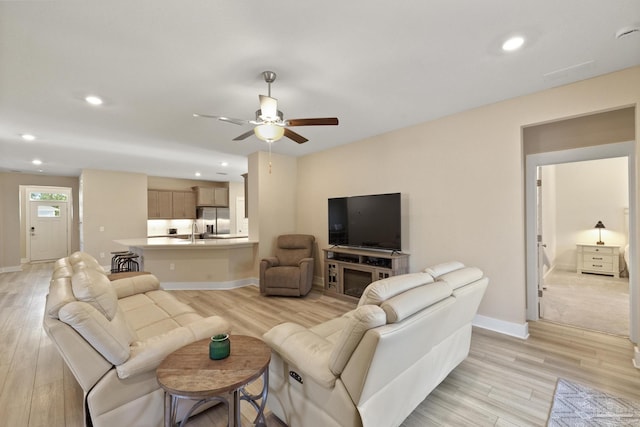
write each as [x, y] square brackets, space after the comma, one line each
[114, 206]
[11, 231]
[588, 192]
[272, 199]
[462, 179]
[584, 131]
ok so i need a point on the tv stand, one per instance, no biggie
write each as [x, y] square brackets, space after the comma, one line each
[347, 271]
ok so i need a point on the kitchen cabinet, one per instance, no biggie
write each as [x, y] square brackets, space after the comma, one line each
[212, 196]
[159, 204]
[184, 205]
[166, 204]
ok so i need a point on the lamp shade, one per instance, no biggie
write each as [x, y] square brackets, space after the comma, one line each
[269, 132]
[599, 225]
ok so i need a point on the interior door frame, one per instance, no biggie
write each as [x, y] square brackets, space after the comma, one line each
[605, 151]
[24, 193]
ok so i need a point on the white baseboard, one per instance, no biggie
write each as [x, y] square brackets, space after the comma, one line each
[636, 357]
[508, 328]
[10, 269]
[208, 286]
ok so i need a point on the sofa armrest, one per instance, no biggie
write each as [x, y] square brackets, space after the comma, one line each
[300, 347]
[148, 354]
[265, 264]
[270, 262]
[305, 261]
[135, 285]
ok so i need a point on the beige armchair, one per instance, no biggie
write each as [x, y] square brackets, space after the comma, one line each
[290, 271]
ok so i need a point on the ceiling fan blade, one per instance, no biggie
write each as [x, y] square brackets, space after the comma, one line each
[294, 136]
[268, 107]
[332, 121]
[243, 136]
[222, 118]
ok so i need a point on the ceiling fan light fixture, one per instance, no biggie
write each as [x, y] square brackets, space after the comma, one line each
[269, 132]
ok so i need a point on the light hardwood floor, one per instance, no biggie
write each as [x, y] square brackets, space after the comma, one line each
[505, 381]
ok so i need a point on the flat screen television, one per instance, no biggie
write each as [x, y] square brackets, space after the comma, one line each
[373, 221]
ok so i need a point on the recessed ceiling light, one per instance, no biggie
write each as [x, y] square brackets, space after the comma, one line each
[198, 174]
[514, 43]
[93, 100]
[224, 164]
[28, 137]
[36, 162]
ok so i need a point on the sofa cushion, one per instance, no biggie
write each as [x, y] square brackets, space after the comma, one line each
[135, 285]
[359, 321]
[110, 338]
[439, 269]
[381, 290]
[283, 277]
[156, 312]
[95, 288]
[81, 260]
[407, 303]
[146, 355]
[60, 294]
[461, 277]
[291, 248]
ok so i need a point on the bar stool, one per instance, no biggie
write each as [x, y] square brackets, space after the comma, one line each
[115, 260]
[127, 262]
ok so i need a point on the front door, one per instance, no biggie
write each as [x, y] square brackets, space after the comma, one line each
[47, 231]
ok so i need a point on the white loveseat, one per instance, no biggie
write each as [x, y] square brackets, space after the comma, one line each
[113, 335]
[375, 364]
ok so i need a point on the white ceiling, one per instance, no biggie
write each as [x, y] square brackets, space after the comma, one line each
[377, 65]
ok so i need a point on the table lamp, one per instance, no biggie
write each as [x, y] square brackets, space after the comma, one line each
[599, 226]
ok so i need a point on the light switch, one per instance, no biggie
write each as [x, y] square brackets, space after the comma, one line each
[102, 228]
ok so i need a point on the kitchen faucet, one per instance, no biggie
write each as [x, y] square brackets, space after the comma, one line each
[194, 230]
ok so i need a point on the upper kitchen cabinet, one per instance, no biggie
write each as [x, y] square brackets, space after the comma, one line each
[184, 205]
[160, 204]
[165, 204]
[212, 196]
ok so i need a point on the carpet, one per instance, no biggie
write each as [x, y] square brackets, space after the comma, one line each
[575, 405]
[589, 301]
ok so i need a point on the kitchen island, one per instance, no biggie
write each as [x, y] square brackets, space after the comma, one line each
[197, 264]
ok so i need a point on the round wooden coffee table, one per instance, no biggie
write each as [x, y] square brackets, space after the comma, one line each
[188, 373]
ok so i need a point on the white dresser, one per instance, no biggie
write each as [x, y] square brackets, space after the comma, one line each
[599, 259]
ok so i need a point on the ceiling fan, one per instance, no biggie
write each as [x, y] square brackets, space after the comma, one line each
[269, 123]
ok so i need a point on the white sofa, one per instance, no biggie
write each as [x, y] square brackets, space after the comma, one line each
[114, 334]
[375, 364]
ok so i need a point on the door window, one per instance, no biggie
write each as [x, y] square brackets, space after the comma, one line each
[47, 211]
[38, 196]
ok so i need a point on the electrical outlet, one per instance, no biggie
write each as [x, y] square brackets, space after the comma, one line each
[102, 228]
[101, 254]
[172, 266]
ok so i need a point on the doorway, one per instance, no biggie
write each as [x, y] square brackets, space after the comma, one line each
[533, 162]
[47, 222]
[584, 282]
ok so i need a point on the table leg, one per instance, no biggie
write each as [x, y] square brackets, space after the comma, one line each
[260, 421]
[234, 419]
[169, 410]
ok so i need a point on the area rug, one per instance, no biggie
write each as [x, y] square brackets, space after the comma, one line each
[575, 405]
